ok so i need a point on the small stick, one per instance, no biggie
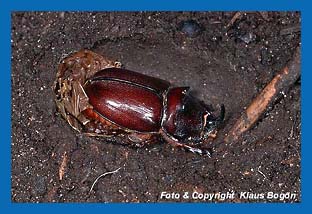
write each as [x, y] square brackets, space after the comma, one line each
[103, 175]
[280, 83]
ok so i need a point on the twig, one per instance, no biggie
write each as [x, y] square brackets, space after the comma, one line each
[280, 83]
[103, 175]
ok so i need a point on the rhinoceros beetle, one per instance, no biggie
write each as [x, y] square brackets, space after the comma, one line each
[99, 98]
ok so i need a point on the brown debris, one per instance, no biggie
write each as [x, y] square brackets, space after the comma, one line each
[291, 30]
[51, 193]
[264, 15]
[236, 16]
[63, 166]
[280, 83]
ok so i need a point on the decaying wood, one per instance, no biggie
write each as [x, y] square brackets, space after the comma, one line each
[279, 84]
[63, 166]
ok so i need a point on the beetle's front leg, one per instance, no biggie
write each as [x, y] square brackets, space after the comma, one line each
[142, 139]
[206, 152]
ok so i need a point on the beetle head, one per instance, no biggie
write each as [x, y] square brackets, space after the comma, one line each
[188, 119]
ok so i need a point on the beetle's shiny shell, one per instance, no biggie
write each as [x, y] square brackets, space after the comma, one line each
[127, 98]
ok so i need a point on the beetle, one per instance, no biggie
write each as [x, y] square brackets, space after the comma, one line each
[98, 97]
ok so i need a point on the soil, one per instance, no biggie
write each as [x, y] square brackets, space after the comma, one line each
[222, 64]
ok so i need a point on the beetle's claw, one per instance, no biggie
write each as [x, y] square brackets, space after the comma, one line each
[204, 152]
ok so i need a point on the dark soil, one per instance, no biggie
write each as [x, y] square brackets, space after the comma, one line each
[222, 65]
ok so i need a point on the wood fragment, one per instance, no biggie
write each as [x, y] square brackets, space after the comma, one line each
[280, 83]
[236, 16]
[264, 15]
[51, 193]
[63, 166]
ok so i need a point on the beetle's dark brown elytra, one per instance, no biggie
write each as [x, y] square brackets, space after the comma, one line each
[99, 98]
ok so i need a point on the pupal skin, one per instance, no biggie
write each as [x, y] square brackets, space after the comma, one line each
[99, 98]
[72, 73]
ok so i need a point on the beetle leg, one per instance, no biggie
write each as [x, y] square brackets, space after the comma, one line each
[117, 64]
[102, 128]
[99, 127]
[174, 142]
[205, 152]
[142, 139]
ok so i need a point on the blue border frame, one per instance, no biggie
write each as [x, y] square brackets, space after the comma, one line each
[176, 5]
